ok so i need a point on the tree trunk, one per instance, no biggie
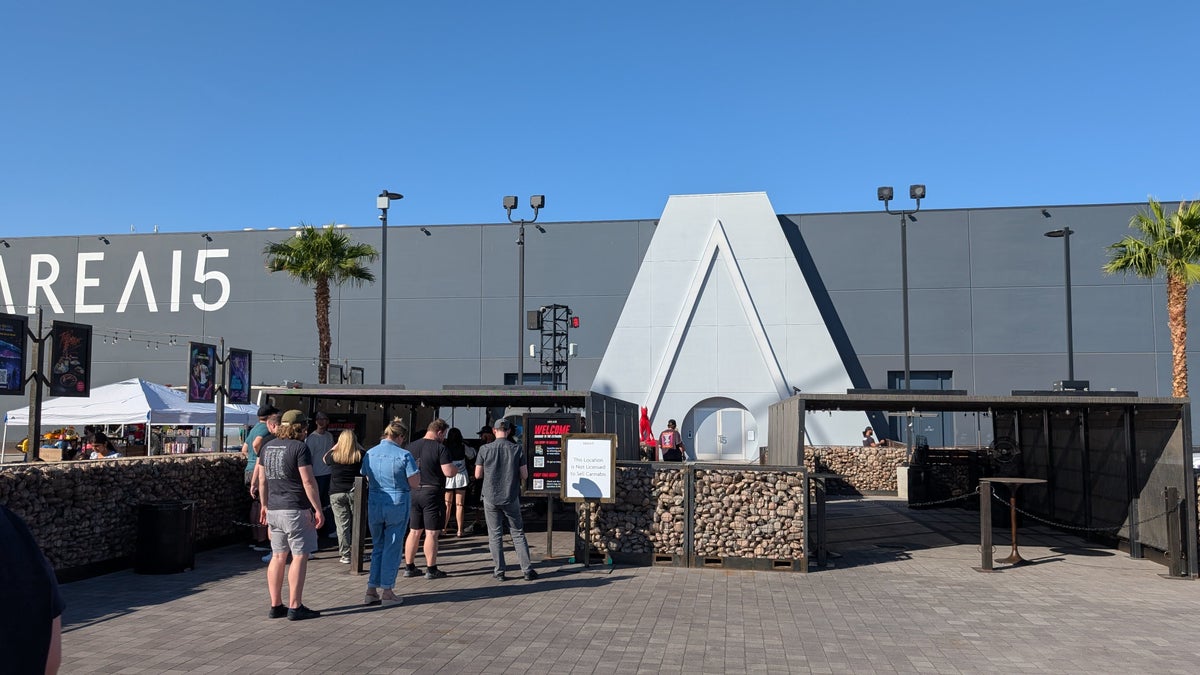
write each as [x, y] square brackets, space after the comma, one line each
[324, 340]
[1177, 326]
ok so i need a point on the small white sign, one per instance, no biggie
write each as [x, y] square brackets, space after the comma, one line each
[589, 467]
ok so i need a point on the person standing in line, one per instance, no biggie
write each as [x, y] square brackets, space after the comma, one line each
[250, 448]
[319, 442]
[31, 621]
[345, 464]
[501, 468]
[456, 485]
[671, 444]
[392, 475]
[428, 504]
[292, 510]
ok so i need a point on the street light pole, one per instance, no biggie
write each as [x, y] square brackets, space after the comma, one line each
[383, 202]
[885, 194]
[536, 202]
[1065, 234]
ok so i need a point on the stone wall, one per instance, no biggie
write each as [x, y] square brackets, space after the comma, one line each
[862, 469]
[85, 513]
[743, 512]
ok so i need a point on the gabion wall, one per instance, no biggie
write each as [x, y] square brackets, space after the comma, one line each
[749, 514]
[86, 512]
[737, 513]
[862, 469]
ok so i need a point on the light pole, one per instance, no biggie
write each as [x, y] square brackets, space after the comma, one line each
[1065, 234]
[384, 200]
[885, 194]
[536, 202]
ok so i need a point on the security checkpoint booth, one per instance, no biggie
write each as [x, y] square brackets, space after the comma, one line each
[1117, 467]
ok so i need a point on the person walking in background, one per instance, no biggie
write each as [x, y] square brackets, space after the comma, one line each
[319, 443]
[501, 468]
[428, 504]
[345, 464]
[292, 510]
[31, 619]
[670, 443]
[456, 485]
[392, 474]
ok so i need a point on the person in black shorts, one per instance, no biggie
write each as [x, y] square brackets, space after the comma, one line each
[428, 501]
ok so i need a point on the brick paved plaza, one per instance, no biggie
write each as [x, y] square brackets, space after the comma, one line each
[900, 595]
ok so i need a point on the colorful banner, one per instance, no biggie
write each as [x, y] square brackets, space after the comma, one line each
[239, 375]
[202, 368]
[70, 359]
[13, 331]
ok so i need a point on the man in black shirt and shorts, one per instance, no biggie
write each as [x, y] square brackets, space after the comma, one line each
[428, 500]
[291, 507]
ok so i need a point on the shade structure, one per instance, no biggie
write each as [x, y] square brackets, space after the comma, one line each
[133, 401]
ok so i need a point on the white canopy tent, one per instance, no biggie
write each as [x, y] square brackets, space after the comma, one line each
[134, 401]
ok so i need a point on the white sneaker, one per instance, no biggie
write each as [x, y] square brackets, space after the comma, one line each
[345, 560]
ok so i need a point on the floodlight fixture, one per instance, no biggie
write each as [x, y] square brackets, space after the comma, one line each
[885, 193]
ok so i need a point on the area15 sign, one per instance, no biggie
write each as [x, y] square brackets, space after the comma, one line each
[543, 451]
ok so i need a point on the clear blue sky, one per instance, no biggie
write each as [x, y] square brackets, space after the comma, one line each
[225, 114]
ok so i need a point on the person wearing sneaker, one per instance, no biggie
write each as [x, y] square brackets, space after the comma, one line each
[428, 504]
[501, 468]
[345, 463]
[291, 508]
[391, 475]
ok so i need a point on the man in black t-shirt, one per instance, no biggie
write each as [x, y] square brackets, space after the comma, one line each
[31, 618]
[428, 503]
[292, 509]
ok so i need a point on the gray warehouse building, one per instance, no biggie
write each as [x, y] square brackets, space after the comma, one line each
[706, 314]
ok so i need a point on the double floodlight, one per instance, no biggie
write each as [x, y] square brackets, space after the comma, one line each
[536, 202]
[886, 193]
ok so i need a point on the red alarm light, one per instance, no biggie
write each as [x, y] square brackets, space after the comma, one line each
[574, 322]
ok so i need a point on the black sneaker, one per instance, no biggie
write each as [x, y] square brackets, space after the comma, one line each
[435, 574]
[530, 575]
[410, 572]
[498, 576]
[278, 612]
[301, 613]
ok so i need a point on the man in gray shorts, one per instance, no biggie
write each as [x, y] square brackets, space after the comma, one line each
[291, 508]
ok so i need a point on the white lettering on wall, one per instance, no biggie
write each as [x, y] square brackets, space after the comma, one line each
[83, 282]
[139, 272]
[45, 283]
[211, 275]
[45, 271]
[8, 299]
[176, 268]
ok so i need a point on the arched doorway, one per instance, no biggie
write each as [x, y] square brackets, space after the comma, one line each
[721, 430]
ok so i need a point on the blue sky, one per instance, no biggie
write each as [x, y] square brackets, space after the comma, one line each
[220, 115]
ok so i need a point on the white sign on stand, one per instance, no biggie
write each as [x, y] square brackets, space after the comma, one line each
[589, 463]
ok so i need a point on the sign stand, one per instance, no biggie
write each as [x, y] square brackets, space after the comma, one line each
[589, 478]
[543, 439]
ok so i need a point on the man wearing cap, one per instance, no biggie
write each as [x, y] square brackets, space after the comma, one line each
[501, 469]
[292, 510]
[428, 515]
[319, 442]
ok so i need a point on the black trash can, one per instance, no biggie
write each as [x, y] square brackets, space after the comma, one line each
[166, 537]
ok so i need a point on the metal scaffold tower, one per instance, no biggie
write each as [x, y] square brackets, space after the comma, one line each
[555, 322]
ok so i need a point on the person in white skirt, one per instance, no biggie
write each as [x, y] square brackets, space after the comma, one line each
[456, 485]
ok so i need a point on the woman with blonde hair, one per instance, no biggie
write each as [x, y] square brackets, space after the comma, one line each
[345, 463]
[392, 475]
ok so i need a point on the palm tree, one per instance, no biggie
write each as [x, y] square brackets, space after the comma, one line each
[318, 257]
[1167, 244]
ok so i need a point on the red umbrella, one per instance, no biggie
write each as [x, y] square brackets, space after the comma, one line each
[647, 441]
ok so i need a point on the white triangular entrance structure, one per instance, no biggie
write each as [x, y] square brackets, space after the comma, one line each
[720, 317]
